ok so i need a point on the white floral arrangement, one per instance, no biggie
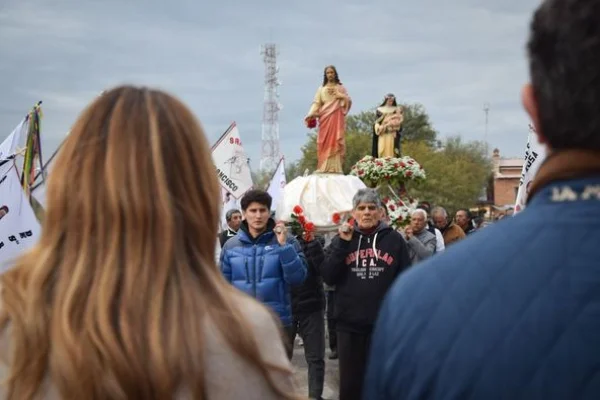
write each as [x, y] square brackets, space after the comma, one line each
[387, 170]
[400, 210]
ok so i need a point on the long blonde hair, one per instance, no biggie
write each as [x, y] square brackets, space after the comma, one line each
[110, 303]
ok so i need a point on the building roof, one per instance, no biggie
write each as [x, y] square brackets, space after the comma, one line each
[508, 176]
[511, 162]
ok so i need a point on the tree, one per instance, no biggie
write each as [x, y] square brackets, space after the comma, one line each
[457, 173]
[292, 170]
[417, 125]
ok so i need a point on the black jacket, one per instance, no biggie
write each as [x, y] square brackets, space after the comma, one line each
[363, 270]
[310, 296]
[226, 235]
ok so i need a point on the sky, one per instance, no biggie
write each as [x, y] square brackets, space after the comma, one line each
[450, 56]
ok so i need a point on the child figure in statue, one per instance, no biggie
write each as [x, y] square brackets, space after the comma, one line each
[329, 107]
[387, 129]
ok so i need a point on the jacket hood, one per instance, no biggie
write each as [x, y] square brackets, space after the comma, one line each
[372, 238]
[382, 226]
[266, 235]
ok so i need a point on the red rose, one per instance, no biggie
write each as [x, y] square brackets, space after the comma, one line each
[403, 165]
[336, 218]
[298, 210]
[309, 227]
[351, 221]
[301, 219]
[408, 173]
[392, 207]
[311, 123]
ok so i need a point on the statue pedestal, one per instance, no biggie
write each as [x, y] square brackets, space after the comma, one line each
[320, 196]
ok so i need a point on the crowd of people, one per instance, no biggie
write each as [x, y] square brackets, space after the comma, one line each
[356, 267]
[124, 297]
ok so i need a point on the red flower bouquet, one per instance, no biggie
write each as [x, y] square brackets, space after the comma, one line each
[301, 226]
[339, 219]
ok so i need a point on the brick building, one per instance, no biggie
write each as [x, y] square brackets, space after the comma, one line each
[507, 173]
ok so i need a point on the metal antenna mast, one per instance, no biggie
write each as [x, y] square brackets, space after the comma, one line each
[270, 154]
[486, 110]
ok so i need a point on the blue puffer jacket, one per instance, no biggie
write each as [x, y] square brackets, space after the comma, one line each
[511, 312]
[264, 269]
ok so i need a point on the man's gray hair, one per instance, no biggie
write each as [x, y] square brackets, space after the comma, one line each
[230, 213]
[439, 210]
[420, 211]
[366, 196]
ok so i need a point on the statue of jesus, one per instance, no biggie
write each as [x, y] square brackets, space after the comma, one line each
[329, 107]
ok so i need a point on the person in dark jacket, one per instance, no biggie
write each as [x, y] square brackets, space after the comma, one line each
[234, 221]
[362, 262]
[514, 312]
[330, 313]
[308, 310]
[464, 219]
[262, 261]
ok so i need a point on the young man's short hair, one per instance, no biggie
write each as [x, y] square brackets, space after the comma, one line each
[256, 196]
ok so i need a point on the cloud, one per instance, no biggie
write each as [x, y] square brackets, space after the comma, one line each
[452, 57]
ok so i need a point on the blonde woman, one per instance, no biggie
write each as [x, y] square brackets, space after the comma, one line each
[121, 298]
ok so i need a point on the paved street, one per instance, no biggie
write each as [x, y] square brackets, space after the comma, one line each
[331, 373]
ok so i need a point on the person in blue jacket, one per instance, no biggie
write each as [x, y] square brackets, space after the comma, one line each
[263, 260]
[514, 312]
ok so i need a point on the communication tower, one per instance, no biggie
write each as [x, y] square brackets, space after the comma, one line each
[486, 110]
[270, 154]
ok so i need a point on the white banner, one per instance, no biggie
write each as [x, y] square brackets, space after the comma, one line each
[19, 228]
[278, 182]
[11, 144]
[534, 156]
[233, 167]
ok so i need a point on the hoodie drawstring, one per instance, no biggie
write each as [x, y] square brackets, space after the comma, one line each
[374, 249]
[358, 249]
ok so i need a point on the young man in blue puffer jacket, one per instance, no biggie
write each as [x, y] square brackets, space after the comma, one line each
[263, 260]
[514, 311]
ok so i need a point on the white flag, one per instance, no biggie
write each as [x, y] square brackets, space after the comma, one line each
[19, 228]
[233, 167]
[11, 144]
[534, 156]
[278, 182]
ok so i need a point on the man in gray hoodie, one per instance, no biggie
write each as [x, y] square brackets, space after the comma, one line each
[421, 243]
